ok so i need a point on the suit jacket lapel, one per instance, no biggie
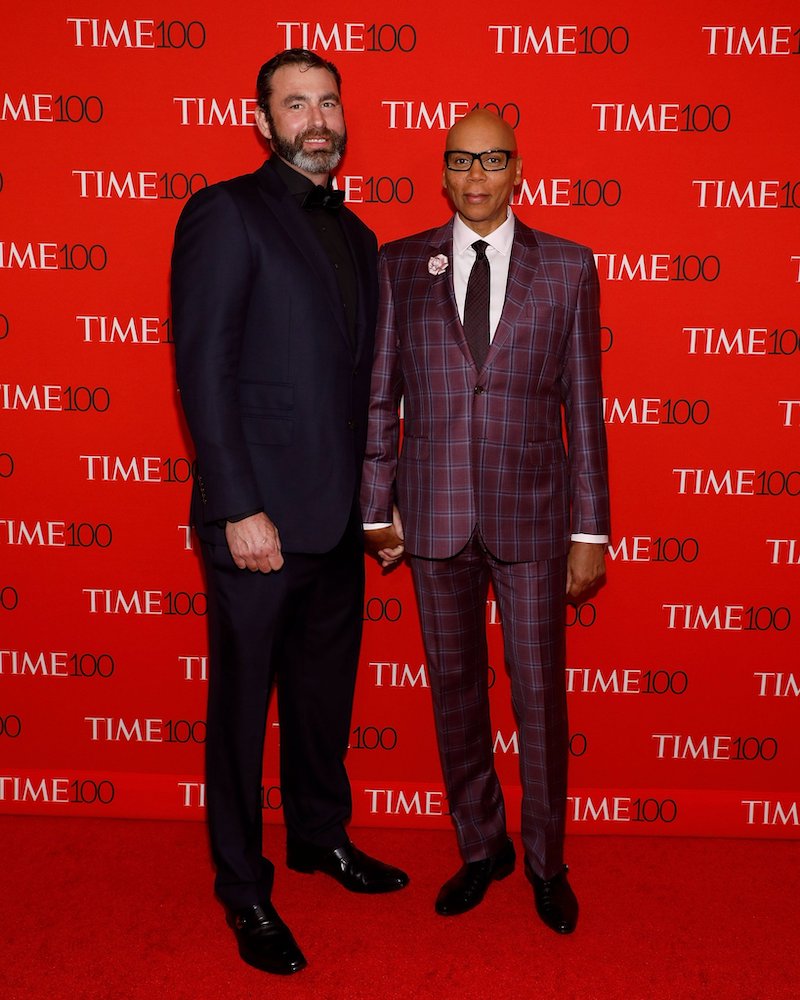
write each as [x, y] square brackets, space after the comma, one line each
[358, 251]
[522, 270]
[289, 216]
[442, 291]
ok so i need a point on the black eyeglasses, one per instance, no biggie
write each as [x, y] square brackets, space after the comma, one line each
[490, 159]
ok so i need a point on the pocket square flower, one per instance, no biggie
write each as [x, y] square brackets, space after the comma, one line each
[438, 264]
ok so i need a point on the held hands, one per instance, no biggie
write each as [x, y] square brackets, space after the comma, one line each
[254, 543]
[586, 564]
[386, 544]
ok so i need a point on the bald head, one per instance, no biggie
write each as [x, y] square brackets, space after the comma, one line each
[479, 127]
[480, 195]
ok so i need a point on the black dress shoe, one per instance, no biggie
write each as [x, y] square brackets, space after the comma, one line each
[555, 901]
[265, 941]
[469, 884]
[353, 869]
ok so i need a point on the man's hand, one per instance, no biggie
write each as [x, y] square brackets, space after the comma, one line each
[254, 543]
[386, 544]
[586, 564]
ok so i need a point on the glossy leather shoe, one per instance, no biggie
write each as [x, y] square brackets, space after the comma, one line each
[469, 884]
[555, 901]
[353, 869]
[265, 941]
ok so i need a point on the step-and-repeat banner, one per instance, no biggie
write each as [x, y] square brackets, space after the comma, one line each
[663, 137]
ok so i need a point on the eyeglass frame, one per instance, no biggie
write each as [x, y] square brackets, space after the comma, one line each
[510, 153]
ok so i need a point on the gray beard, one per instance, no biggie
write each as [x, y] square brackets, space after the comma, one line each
[317, 161]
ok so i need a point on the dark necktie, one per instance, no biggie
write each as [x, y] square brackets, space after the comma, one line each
[319, 197]
[476, 305]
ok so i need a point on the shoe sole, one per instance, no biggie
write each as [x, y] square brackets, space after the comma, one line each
[262, 966]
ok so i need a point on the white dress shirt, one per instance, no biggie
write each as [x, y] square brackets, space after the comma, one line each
[498, 253]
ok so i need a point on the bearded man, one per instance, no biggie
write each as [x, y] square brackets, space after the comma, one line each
[274, 297]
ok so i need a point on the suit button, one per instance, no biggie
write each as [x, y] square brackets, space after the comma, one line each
[355, 372]
[479, 390]
[351, 424]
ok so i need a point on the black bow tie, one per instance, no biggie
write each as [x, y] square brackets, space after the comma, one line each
[319, 197]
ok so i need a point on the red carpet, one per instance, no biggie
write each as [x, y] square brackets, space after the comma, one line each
[114, 910]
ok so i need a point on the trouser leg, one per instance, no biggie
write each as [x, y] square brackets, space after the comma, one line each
[451, 594]
[317, 663]
[531, 600]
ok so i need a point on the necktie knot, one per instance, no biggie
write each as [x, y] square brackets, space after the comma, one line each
[479, 246]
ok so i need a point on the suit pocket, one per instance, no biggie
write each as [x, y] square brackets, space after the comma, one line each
[265, 397]
[544, 453]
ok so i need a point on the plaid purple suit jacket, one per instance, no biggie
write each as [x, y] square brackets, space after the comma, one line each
[486, 447]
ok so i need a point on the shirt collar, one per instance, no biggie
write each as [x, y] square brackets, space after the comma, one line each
[298, 184]
[499, 239]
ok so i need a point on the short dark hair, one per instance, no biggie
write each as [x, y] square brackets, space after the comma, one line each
[290, 57]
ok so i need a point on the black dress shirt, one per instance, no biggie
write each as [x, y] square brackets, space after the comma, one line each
[328, 231]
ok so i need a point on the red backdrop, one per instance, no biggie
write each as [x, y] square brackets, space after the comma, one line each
[665, 139]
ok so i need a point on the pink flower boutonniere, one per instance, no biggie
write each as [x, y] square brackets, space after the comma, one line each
[438, 264]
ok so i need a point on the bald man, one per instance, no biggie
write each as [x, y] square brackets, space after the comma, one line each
[489, 331]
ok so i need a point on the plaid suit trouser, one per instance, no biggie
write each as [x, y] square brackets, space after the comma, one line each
[452, 594]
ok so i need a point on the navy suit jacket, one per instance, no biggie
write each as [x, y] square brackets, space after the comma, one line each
[275, 396]
[485, 446]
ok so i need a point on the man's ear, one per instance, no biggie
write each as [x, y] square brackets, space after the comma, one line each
[262, 124]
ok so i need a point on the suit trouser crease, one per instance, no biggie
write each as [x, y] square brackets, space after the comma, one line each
[300, 629]
[452, 594]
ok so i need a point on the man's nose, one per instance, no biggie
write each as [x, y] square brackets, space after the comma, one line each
[476, 171]
[316, 116]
